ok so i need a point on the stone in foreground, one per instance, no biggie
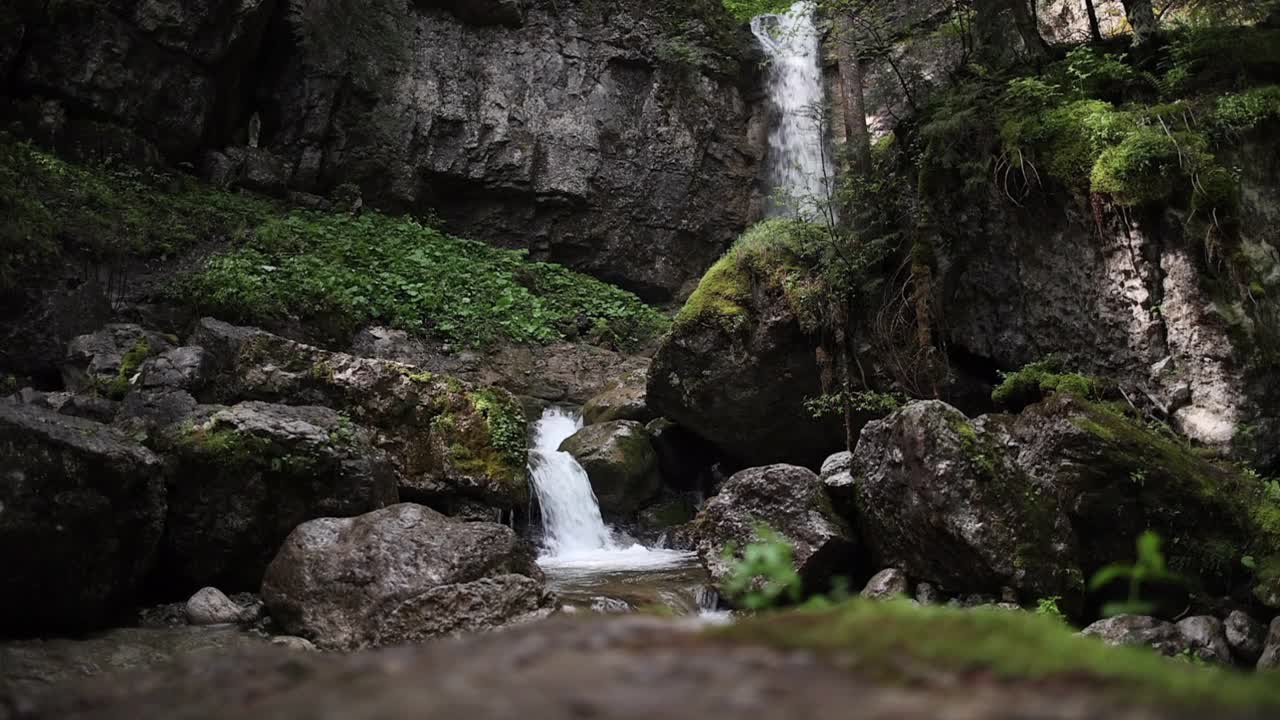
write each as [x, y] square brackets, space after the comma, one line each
[401, 574]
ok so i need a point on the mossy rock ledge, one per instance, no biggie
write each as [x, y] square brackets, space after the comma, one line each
[1039, 501]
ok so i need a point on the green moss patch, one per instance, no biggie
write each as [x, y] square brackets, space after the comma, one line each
[1041, 379]
[895, 641]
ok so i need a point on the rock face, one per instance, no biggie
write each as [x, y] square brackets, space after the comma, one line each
[737, 368]
[556, 128]
[791, 501]
[624, 400]
[1246, 637]
[248, 475]
[398, 575]
[1163, 636]
[1038, 501]
[449, 442]
[620, 461]
[81, 512]
[937, 498]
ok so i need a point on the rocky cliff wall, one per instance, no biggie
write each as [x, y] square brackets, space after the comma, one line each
[614, 137]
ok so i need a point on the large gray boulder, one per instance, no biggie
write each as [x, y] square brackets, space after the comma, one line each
[1246, 636]
[108, 362]
[81, 512]
[245, 476]
[449, 442]
[937, 497]
[398, 575]
[620, 461]
[791, 502]
[623, 400]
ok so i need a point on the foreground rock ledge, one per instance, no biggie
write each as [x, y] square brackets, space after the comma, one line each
[775, 667]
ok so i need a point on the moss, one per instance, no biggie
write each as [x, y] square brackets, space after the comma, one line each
[894, 641]
[130, 362]
[1211, 515]
[484, 435]
[721, 298]
[1038, 380]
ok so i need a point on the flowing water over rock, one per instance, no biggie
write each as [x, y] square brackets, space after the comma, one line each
[799, 164]
[587, 563]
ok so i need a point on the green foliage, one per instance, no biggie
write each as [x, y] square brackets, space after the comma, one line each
[865, 401]
[376, 268]
[54, 209]
[765, 575]
[129, 364]
[1237, 113]
[747, 9]
[1096, 74]
[506, 423]
[1049, 607]
[894, 641]
[1149, 566]
[1041, 379]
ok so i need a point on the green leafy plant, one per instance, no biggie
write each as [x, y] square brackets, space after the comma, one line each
[764, 576]
[1049, 607]
[1148, 567]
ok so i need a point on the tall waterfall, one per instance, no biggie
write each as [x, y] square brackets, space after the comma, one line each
[575, 537]
[799, 169]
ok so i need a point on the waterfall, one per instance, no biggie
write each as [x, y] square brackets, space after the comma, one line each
[575, 537]
[799, 169]
[570, 513]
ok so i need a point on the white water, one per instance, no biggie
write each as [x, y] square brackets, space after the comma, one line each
[576, 540]
[799, 170]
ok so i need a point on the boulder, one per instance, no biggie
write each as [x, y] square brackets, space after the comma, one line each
[929, 594]
[737, 369]
[621, 463]
[790, 501]
[245, 476]
[685, 460]
[398, 575]
[1040, 500]
[1206, 637]
[210, 606]
[447, 440]
[1140, 630]
[184, 368]
[624, 400]
[937, 498]
[886, 585]
[1246, 637]
[89, 407]
[81, 512]
[837, 476]
[1270, 658]
[108, 361]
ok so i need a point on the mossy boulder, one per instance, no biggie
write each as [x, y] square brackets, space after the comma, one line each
[81, 512]
[448, 440]
[108, 361]
[620, 461]
[739, 364]
[245, 476]
[1041, 500]
[792, 502]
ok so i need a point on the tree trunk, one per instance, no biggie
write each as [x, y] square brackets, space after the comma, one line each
[1095, 29]
[1142, 19]
[857, 134]
[1025, 22]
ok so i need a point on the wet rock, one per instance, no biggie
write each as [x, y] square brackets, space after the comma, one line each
[929, 594]
[837, 476]
[1140, 630]
[108, 361]
[937, 498]
[209, 606]
[792, 502]
[398, 575]
[886, 585]
[447, 440]
[184, 368]
[621, 462]
[245, 476]
[81, 512]
[1206, 637]
[294, 643]
[1246, 637]
[667, 513]
[625, 400]
[1270, 658]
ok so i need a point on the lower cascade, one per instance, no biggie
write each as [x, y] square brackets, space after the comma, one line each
[575, 537]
